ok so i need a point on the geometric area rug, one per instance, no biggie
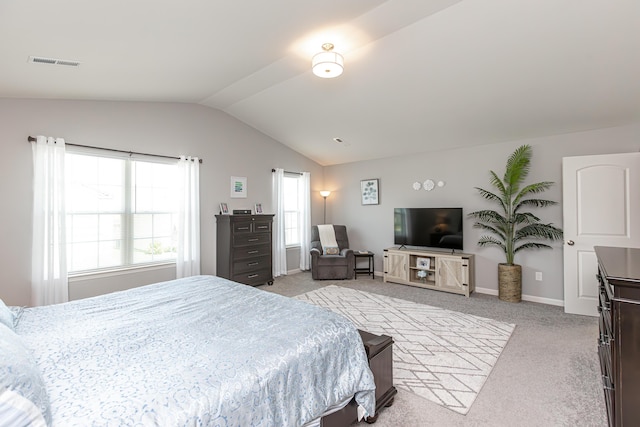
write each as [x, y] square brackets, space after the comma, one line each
[441, 355]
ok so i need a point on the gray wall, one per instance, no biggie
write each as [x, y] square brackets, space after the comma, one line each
[231, 148]
[228, 147]
[371, 227]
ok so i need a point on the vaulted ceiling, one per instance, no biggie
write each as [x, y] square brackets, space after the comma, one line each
[420, 75]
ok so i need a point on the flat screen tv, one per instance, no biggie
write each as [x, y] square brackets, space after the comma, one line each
[428, 227]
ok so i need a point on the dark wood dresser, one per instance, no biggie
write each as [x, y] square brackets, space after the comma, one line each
[619, 340]
[243, 250]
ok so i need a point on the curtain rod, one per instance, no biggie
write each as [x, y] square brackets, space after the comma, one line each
[32, 139]
[294, 173]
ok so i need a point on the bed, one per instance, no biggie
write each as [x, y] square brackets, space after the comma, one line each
[200, 351]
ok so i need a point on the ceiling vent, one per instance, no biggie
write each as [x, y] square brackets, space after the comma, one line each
[53, 61]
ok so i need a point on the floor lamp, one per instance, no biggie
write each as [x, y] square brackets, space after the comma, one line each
[325, 194]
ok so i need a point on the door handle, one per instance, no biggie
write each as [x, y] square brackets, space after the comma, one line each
[571, 243]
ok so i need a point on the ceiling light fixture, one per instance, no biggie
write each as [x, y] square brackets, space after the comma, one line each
[327, 64]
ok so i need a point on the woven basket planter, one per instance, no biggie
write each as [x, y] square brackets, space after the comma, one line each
[510, 282]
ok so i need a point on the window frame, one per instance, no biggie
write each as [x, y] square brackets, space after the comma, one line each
[127, 237]
[297, 177]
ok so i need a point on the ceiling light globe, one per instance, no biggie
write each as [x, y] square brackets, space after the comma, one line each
[327, 65]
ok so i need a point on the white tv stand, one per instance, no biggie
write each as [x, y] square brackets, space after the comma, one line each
[438, 270]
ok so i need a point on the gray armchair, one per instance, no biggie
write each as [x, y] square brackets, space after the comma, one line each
[326, 267]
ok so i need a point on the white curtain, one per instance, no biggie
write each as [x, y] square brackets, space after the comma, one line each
[49, 283]
[188, 259]
[304, 199]
[279, 246]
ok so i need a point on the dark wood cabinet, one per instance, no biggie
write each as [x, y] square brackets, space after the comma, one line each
[379, 349]
[619, 338]
[243, 250]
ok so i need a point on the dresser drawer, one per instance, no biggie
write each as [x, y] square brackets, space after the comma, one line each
[606, 331]
[244, 239]
[252, 251]
[252, 226]
[604, 353]
[262, 226]
[251, 264]
[253, 278]
[242, 227]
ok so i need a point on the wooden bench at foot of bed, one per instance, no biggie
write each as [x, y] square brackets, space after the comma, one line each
[379, 350]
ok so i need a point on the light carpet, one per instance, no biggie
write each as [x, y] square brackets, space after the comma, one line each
[439, 354]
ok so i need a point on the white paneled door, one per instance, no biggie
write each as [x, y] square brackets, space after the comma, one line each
[601, 203]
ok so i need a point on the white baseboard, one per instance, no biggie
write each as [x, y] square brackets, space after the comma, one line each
[487, 291]
[294, 271]
[530, 298]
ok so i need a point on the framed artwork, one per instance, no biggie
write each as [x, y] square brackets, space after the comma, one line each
[224, 209]
[258, 209]
[369, 191]
[423, 263]
[238, 187]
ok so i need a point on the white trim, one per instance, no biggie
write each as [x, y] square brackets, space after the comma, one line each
[487, 291]
[76, 277]
[530, 298]
[543, 300]
[494, 292]
[294, 271]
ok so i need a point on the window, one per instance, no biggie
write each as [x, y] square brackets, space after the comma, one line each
[292, 208]
[120, 212]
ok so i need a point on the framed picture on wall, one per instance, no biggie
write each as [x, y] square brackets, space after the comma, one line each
[369, 191]
[224, 209]
[239, 187]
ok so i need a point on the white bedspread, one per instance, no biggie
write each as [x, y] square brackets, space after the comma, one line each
[201, 351]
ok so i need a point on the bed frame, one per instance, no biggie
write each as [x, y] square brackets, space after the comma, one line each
[380, 355]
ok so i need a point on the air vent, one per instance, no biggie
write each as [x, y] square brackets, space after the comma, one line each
[53, 61]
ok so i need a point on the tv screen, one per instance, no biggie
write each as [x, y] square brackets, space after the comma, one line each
[428, 227]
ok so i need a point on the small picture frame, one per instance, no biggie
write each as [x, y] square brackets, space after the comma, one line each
[369, 192]
[224, 209]
[238, 187]
[423, 263]
[258, 209]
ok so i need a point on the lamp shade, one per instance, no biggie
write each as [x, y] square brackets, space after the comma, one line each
[325, 193]
[327, 64]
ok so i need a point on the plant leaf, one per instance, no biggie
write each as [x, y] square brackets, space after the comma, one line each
[531, 245]
[517, 167]
[538, 231]
[491, 241]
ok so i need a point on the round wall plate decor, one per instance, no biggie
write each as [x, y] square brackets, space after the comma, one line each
[416, 185]
[429, 184]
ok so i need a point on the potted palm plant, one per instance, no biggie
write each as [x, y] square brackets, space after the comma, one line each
[511, 228]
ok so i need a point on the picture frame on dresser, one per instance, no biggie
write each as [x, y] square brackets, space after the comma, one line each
[258, 209]
[423, 263]
[224, 209]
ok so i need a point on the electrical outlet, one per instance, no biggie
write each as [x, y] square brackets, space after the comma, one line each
[539, 276]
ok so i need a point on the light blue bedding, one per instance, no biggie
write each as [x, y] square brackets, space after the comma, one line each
[196, 351]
